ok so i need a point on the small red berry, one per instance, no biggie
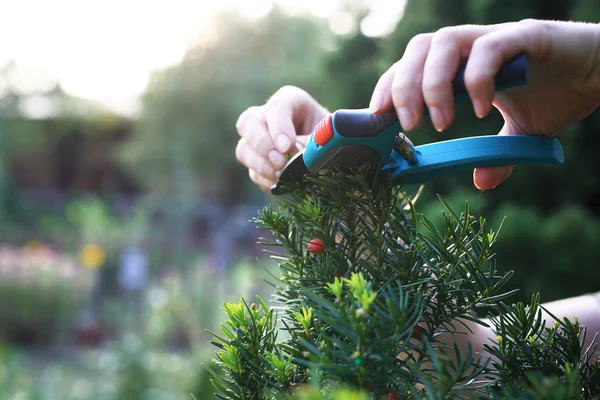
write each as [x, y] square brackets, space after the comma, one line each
[418, 332]
[316, 246]
[392, 396]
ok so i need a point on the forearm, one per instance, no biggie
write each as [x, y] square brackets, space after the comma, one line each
[586, 308]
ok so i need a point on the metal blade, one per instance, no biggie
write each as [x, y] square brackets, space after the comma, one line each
[294, 170]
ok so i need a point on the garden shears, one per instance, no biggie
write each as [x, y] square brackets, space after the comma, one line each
[349, 138]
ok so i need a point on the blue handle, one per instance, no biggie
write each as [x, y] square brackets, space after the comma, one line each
[473, 152]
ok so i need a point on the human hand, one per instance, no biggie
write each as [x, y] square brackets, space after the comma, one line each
[564, 84]
[279, 127]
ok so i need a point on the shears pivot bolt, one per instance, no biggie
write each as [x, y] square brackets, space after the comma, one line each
[404, 147]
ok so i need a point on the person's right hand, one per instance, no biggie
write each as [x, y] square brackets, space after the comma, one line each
[564, 86]
[280, 127]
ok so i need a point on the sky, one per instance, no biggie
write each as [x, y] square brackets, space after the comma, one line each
[104, 50]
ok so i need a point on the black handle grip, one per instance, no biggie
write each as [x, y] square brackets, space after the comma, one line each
[361, 123]
[512, 73]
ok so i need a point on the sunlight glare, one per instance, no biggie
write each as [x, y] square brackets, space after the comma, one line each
[341, 23]
[322, 8]
[253, 9]
[27, 79]
[383, 17]
[98, 49]
[37, 106]
[3, 87]
[105, 49]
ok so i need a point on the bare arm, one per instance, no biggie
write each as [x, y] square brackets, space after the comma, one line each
[585, 307]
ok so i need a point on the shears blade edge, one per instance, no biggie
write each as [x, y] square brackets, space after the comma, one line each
[294, 170]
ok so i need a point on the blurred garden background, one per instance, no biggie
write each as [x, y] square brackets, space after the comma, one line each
[124, 217]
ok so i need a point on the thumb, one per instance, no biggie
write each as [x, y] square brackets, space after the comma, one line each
[490, 177]
[284, 108]
[301, 141]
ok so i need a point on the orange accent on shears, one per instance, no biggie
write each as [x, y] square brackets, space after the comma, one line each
[324, 131]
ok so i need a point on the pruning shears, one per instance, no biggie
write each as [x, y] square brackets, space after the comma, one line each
[348, 138]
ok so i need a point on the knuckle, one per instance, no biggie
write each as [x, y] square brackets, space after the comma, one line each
[401, 89]
[239, 151]
[262, 145]
[265, 170]
[486, 44]
[473, 79]
[534, 28]
[477, 78]
[240, 121]
[398, 84]
[393, 69]
[259, 166]
[261, 169]
[433, 85]
[284, 93]
[530, 23]
[444, 35]
[420, 40]
[289, 89]
[399, 94]
[250, 112]
[536, 33]
[274, 107]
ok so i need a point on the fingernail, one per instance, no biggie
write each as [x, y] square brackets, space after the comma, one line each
[283, 142]
[276, 158]
[278, 173]
[376, 100]
[478, 108]
[406, 119]
[437, 118]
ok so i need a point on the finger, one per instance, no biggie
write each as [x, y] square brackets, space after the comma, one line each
[449, 46]
[406, 86]
[381, 99]
[301, 141]
[489, 178]
[490, 51]
[252, 126]
[246, 155]
[263, 183]
[280, 111]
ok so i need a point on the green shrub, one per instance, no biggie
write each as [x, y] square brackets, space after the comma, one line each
[377, 305]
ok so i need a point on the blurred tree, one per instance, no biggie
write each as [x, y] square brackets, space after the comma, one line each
[352, 68]
[190, 110]
[352, 72]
